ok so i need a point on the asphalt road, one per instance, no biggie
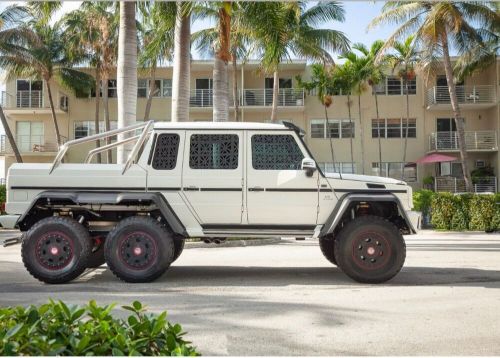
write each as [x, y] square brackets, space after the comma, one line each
[286, 299]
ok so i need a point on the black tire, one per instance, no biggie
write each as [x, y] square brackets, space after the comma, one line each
[370, 249]
[327, 246]
[56, 249]
[96, 257]
[178, 247]
[139, 249]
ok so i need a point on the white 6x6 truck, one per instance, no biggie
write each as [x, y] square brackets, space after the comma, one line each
[201, 180]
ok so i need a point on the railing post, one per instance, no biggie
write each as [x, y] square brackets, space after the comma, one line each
[434, 101]
[455, 181]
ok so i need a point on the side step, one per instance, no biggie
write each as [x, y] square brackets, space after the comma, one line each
[12, 241]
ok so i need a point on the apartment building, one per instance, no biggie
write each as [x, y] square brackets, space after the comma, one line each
[431, 127]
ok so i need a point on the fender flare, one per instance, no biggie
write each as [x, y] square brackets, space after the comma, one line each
[104, 198]
[346, 200]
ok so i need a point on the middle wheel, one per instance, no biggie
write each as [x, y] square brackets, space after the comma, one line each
[139, 249]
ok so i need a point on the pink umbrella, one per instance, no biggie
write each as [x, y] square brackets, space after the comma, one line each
[435, 158]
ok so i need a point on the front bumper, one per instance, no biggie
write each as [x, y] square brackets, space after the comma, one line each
[9, 221]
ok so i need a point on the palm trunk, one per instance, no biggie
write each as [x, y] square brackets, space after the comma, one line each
[352, 131]
[220, 91]
[378, 134]
[10, 137]
[276, 92]
[407, 122]
[236, 100]
[126, 75]
[459, 121]
[330, 137]
[97, 103]
[53, 111]
[152, 89]
[361, 131]
[182, 66]
[107, 126]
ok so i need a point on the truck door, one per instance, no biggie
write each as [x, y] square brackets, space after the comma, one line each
[212, 176]
[278, 191]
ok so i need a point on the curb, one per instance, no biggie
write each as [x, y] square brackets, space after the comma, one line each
[233, 243]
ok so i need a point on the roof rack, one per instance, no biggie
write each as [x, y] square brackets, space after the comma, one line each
[139, 139]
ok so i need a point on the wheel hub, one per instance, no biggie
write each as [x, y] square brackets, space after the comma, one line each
[370, 250]
[54, 250]
[138, 250]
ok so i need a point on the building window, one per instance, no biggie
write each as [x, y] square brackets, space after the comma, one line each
[86, 128]
[339, 167]
[393, 85]
[160, 91]
[396, 170]
[112, 88]
[276, 152]
[166, 87]
[142, 87]
[165, 151]
[412, 86]
[213, 151]
[338, 128]
[394, 127]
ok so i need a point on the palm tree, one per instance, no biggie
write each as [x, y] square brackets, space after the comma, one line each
[36, 49]
[323, 82]
[126, 74]
[405, 58]
[182, 63]
[10, 17]
[437, 26]
[283, 29]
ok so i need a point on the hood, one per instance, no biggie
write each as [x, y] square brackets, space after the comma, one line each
[365, 178]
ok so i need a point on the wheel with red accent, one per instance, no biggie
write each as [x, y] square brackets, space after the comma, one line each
[139, 249]
[370, 249]
[96, 257]
[56, 249]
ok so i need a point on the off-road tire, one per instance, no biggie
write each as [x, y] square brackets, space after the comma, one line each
[370, 249]
[139, 249]
[327, 246]
[96, 257]
[56, 249]
[178, 248]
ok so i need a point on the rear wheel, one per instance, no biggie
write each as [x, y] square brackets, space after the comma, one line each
[139, 249]
[370, 249]
[178, 247]
[56, 249]
[327, 246]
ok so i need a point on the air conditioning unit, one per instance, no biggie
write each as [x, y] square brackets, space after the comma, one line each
[480, 163]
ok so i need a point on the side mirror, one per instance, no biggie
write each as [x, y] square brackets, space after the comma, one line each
[309, 166]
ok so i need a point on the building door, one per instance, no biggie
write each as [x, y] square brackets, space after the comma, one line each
[29, 135]
[279, 192]
[284, 83]
[204, 92]
[446, 129]
[212, 176]
[29, 94]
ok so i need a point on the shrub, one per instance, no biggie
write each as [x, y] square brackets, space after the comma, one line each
[482, 209]
[59, 329]
[3, 197]
[443, 207]
[422, 200]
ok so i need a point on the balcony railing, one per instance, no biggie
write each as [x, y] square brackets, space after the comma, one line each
[457, 185]
[481, 94]
[30, 144]
[259, 97]
[474, 141]
[33, 100]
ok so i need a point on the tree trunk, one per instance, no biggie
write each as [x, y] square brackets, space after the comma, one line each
[276, 92]
[236, 99]
[459, 121]
[10, 137]
[407, 122]
[361, 136]
[352, 131]
[330, 138]
[126, 75]
[152, 89]
[182, 66]
[107, 124]
[97, 103]
[378, 135]
[52, 109]
[220, 91]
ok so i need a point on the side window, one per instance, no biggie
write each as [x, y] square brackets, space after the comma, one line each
[165, 151]
[213, 151]
[275, 152]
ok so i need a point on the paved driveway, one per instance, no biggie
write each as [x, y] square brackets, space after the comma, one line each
[286, 299]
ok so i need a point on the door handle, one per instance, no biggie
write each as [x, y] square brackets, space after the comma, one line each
[256, 188]
[191, 188]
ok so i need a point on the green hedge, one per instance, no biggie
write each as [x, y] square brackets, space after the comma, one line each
[59, 329]
[475, 212]
[3, 195]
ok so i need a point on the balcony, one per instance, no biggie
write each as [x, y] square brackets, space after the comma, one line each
[482, 96]
[30, 144]
[27, 101]
[475, 141]
[251, 98]
[457, 185]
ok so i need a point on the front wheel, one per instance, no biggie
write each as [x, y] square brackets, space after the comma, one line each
[370, 249]
[327, 246]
